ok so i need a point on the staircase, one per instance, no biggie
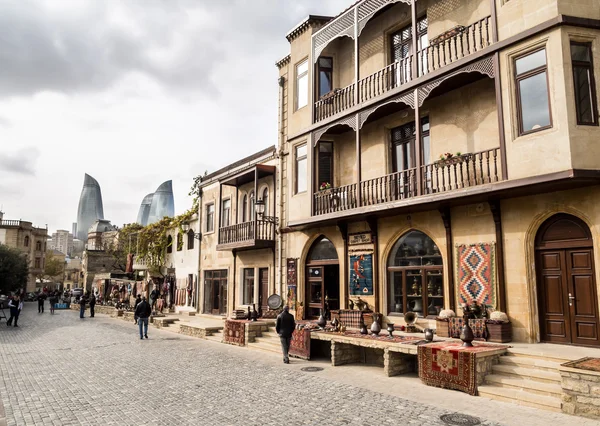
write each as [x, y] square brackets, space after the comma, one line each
[267, 342]
[525, 379]
[214, 334]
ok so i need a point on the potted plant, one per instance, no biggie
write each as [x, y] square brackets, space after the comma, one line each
[499, 327]
[324, 186]
[441, 322]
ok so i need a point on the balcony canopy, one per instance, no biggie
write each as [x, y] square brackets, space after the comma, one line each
[246, 176]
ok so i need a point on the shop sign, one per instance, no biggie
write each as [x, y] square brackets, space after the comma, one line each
[360, 238]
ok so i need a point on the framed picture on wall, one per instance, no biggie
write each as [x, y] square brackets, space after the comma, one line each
[361, 275]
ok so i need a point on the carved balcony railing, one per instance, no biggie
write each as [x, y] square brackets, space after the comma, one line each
[386, 79]
[334, 102]
[458, 172]
[461, 171]
[445, 49]
[10, 223]
[247, 235]
[335, 199]
[453, 45]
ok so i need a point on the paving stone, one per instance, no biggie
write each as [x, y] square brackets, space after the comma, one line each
[61, 370]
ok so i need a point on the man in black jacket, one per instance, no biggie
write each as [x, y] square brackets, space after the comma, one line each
[285, 327]
[92, 305]
[142, 312]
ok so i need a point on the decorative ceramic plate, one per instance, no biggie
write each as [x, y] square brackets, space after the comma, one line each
[274, 301]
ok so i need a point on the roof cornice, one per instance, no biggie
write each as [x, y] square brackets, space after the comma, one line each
[305, 25]
[283, 61]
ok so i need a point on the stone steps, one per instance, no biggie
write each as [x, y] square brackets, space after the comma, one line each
[525, 384]
[526, 379]
[544, 376]
[544, 356]
[529, 363]
[266, 347]
[216, 336]
[268, 341]
[520, 397]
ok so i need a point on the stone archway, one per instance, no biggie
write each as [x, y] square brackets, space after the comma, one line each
[565, 282]
[322, 278]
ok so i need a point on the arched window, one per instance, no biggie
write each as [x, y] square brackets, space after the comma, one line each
[322, 250]
[415, 276]
[169, 244]
[265, 198]
[26, 242]
[251, 206]
[245, 208]
[190, 238]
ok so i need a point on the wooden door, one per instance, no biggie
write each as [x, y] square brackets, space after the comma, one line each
[568, 301]
[567, 295]
[263, 291]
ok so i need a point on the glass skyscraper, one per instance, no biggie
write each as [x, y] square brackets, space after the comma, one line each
[90, 206]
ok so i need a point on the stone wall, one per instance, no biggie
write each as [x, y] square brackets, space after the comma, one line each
[581, 392]
[192, 331]
[254, 330]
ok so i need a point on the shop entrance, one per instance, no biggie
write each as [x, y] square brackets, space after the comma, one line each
[567, 297]
[322, 278]
[215, 292]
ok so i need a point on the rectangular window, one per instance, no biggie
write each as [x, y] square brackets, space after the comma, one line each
[403, 145]
[533, 102]
[226, 213]
[301, 168]
[37, 263]
[302, 84]
[325, 75]
[248, 297]
[583, 83]
[402, 49]
[210, 217]
[325, 163]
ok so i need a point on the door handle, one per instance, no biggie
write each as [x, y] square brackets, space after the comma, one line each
[571, 298]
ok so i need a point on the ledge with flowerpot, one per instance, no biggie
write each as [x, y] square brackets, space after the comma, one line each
[499, 328]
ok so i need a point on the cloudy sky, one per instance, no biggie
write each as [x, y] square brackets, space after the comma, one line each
[134, 92]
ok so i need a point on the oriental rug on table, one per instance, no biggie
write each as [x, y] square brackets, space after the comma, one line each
[350, 318]
[587, 363]
[234, 332]
[300, 344]
[476, 270]
[449, 365]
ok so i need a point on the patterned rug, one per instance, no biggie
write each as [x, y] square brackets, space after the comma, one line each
[588, 363]
[383, 336]
[476, 270]
[449, 365]
[350, 318]
[300, 344]
[234, 332]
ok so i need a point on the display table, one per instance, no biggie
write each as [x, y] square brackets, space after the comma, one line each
[450, 365]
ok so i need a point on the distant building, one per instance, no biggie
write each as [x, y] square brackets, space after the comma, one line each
[101, 235]
[78, 247]
[163, 203]
[90, 206]
[30, 240]
[74, 230]
[62, 241]
[144, 212]
[73, 275]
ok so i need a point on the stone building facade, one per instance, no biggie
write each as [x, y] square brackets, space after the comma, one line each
[238, 222]
[375, 208]
[31, 241]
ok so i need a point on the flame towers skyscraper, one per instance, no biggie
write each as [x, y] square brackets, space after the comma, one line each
[163, 203]
[90, 206]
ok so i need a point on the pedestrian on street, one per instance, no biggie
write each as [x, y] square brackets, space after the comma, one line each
[142, 312]
[92, 305]
[53, 299]
[138, 301]
[15, 305]
[82, 302]
[285, 328]
[41, 298]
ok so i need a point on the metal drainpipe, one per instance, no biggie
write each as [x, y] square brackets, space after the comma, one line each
[280, 185]
[198, 297]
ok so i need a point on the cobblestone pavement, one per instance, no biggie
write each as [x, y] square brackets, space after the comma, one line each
[60, 370]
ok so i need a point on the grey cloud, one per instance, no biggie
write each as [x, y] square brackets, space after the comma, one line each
[21, 162]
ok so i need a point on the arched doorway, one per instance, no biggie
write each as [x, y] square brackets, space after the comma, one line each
[322, 278]
[566, 284]
[415, 276]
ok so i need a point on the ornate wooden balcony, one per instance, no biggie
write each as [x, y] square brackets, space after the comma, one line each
[447, 48]
[256, 234]
[458, 172]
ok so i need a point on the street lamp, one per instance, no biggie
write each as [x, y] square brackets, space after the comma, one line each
[186, 228]
[259, 208]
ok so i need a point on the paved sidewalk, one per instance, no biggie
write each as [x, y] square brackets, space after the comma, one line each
[60, 370]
